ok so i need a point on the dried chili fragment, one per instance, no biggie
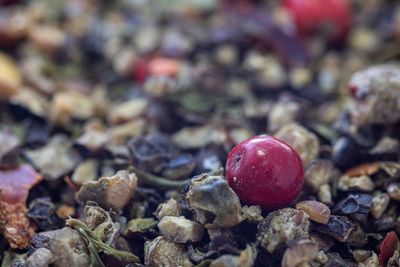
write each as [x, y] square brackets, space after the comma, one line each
[14, 188]
[388, 247]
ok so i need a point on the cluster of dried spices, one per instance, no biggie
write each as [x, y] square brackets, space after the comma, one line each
[117, 119]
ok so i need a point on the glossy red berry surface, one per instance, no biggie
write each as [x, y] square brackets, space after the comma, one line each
[265, 171]
[310, 15]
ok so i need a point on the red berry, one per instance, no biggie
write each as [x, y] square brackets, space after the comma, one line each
[388, 247]
[310, 15]
[265, 171]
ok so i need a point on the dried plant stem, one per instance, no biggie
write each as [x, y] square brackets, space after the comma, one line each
[94, 243]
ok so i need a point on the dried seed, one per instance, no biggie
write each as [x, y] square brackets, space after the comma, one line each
[180, 230]
[129, 110]
[169, 208]
[366, 169]
[354, 204]
[55, 159]
[325, 194]
[303, 141]
[317, 211]
[9, 150]
[302, 251]
[363, 183]
[317, 173]
[213, 202]
[281, 227]
[109, 192]
[379, 204]
[42, 212]
[338, 227]
[10, 77]
[40, 257]
[161, 252]
[245, 259]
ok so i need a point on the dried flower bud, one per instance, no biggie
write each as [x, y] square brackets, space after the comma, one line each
[394, 191]
[377, 93]
[10, 77]
[181, 230]
[355, 204]
[66, 245]
[109, 192]
[169, 208]
[303, 141]
[379, 204]
[317, 211]
[245, 259]
[302, 251]
[338, 227]
[55, 159]
[363, 183]
[282, 226]
[213, 202]
[161, 252]
[317, 173]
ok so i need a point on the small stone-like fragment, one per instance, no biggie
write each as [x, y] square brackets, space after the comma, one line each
[362, 183]
[10, 76]
[377, 94]
[355, 203]
[302, 251]
[281, 227]
[169, 208]
[66, 245]
[128, 110]
[42, 212]
[109, 192]
[338, 227]
[85, 171]
[370, 261]
[317, 173]
[252, 213]
[41, 257]
[302, 140]
[245, 259]
[55, 159]
[164, 253]
[213, 202]
[325, 194]
[180, 230]
[394, 191]
[379, 204]
[317, 211]
[9, 150]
